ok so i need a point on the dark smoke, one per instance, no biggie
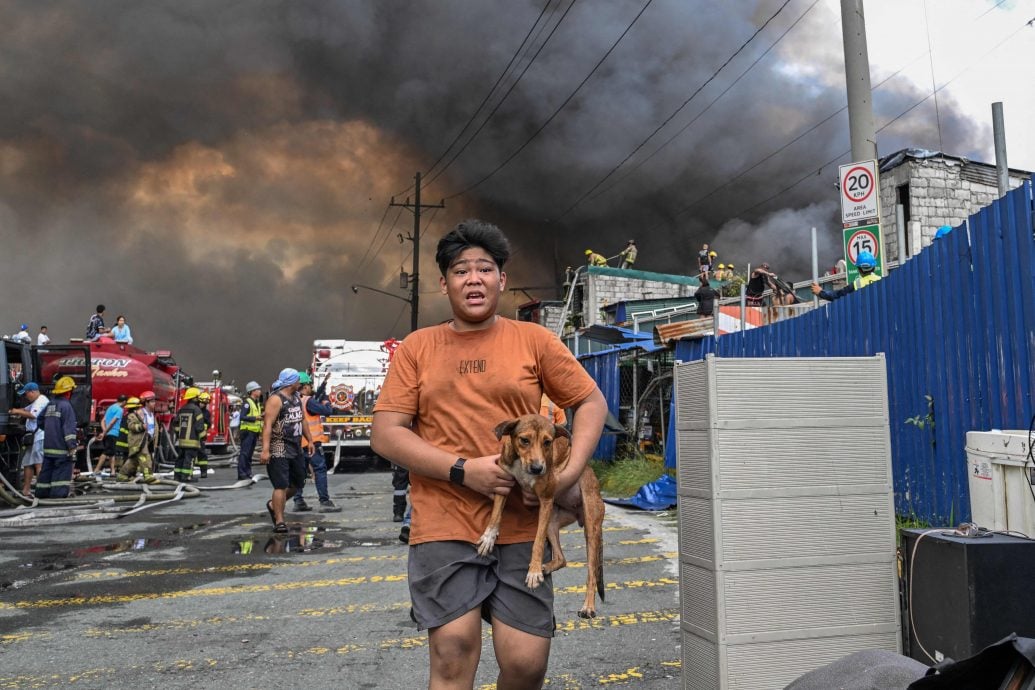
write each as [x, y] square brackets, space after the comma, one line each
[216, 171]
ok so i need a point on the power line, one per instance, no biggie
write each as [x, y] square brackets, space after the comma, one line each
[387, 235]
[500, 103]
[700, 88]
[558, 110]
[373, 237]
[492, 90]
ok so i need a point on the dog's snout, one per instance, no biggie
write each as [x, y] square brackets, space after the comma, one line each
[536, 468]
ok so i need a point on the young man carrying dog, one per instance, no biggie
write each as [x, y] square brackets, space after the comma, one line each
[447, 389]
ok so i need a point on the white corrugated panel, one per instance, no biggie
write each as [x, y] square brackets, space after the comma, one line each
[787, 526]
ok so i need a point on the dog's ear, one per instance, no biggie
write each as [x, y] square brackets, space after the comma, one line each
[561, 430]
[505, 428]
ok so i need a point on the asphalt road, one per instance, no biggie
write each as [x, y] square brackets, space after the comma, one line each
[201, 594]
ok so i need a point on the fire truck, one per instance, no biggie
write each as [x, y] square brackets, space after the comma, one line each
[102, 369]
[354, 371]
[220, 408]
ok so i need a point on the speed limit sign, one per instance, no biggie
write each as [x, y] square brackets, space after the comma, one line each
[859, 240]
[859, 192]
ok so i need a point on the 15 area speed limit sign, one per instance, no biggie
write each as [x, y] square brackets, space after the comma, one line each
[859, 240]
[859, 192]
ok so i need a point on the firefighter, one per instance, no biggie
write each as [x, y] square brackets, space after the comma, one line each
[204, 398]
[137, 455]
[314, 408]
[594, 259]
[251, 428]
[190, 425]
[59, 442]
[866, 263]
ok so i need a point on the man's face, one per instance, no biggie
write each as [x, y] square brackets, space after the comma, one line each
[31, 396]
[256, 393]
[307, 389]
[473, 284]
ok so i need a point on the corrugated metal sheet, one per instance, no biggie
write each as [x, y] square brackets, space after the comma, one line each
[956, 323]
[604, 370]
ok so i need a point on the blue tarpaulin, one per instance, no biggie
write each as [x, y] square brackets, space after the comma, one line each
[660, 494]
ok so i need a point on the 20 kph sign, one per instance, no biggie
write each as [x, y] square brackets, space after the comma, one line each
[859, 193]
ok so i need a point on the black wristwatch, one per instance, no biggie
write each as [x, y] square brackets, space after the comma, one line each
[456, 472]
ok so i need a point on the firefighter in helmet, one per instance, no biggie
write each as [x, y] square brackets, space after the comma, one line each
[137, 453]
[59, 442]
[190, 427]
[594, 259]
[866, 263]
[251, 428]
[204, 398]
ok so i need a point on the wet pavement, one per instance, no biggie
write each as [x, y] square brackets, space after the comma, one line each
[202, 593]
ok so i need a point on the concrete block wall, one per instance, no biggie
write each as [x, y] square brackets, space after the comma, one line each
[938, 195]
[604, 290]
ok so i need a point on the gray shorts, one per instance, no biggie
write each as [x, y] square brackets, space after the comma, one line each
[449, 578]
[34, 453]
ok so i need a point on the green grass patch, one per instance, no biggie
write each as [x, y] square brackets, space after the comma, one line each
[623, 477]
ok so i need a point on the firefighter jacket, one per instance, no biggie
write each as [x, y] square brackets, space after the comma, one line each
[59, 422]
[136, 432]
[251, 417]
[190, 427]
[314, 411]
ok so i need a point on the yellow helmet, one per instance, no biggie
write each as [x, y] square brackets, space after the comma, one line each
[132, 404]
[713, 253]
[588, 252]
[731, 267]
[722, 265]
[191, 393]
[204, 396]
[63, 385]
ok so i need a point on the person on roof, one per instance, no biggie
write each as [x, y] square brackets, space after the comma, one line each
[594, 259]
[628, 255]
[22, 336]
[704, 261]
[121, 332]
[42, 338]
[96, 328]
[762, 279]
[866, 263]
[706, 296]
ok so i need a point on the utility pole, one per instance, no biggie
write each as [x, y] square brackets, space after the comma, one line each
[416, 207]
[1002, 170]
[857, 78]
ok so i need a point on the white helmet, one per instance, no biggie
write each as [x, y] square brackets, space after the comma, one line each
[252, 386]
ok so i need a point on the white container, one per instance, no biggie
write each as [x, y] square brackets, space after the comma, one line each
[786, 517]
[1000, 475]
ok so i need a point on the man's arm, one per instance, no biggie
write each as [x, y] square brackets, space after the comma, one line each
[272, 410]
[68, 427]
[393, 439]
[585, 434]
[318, 408]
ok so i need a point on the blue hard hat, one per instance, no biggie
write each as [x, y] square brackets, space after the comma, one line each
[866, 260]
[943, 231]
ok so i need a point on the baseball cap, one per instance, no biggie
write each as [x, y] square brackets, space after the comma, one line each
[28, 388]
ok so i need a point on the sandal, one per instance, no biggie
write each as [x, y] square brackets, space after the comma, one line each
[273, 515]
[281, 528]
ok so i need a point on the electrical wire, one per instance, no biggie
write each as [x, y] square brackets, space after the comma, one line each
[505, 95]
[373, 237]
[814, 170]
[485, 100]
[387, 235]
[556, 112]
[698, 90]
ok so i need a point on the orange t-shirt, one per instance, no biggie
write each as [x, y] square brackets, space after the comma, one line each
[458, 387]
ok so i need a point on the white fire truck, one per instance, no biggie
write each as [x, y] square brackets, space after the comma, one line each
[354, 371]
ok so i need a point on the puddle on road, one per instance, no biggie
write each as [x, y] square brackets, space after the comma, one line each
[291, 543]
[48, 559]
[190, 528]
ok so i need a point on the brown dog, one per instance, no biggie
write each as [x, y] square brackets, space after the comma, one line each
[535, 451]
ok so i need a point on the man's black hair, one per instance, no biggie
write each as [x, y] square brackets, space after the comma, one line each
[472, 233]
[100, 308]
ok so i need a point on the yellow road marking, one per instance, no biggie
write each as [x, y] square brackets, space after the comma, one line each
[13, 638]
[350, 609]
[416, 642]
[235, 567]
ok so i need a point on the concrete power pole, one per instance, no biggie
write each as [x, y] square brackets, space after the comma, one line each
[1002, 169]
[416, 207]
[857, 77]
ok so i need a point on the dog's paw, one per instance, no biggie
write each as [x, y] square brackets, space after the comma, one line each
[487, 541]
[586, 612]
[534, 578]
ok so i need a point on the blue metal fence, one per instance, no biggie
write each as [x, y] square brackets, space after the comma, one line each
[956, 323]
